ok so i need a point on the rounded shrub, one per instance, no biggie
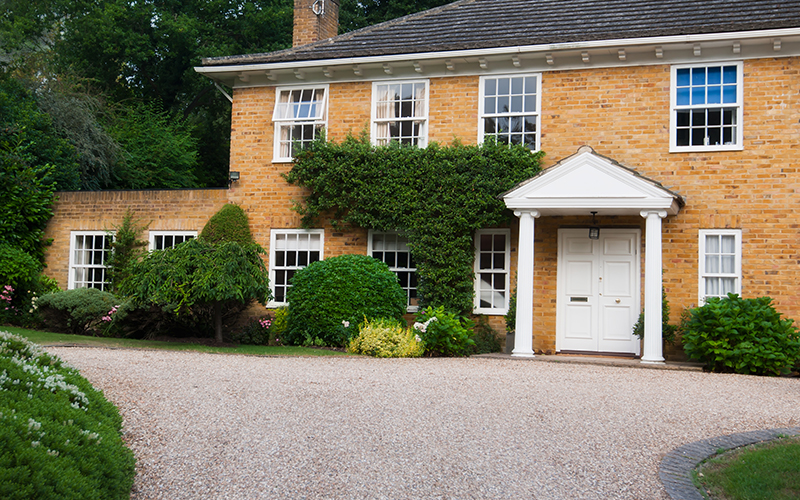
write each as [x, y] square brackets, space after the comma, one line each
[739, 335]
[229, 224]
[328, 296]
[59, 437]
[76, 311]
[385, 338]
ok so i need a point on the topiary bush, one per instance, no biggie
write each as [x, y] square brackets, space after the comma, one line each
[59, 437]
[444, 333]
[79, 311]
[739, 335]
[229, 224]
[328, 296]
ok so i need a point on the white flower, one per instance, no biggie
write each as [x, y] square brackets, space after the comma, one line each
[417, 337]
[420, 327]
[346, 323]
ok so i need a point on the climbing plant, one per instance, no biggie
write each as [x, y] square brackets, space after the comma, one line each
[437, 197]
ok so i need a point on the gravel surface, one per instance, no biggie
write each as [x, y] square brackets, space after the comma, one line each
[209, 426]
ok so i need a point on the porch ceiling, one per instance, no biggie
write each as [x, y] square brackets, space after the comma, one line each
[587, 182]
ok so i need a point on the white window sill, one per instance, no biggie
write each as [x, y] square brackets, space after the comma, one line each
[490, 312]
[705, 149]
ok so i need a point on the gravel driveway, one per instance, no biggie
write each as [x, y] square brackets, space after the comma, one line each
[209, 426]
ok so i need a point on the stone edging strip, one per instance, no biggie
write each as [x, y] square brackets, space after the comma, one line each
[676, 467]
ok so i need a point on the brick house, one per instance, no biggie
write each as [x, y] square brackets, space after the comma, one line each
[671, 132]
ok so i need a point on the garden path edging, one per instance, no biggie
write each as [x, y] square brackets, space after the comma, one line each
[675, 470]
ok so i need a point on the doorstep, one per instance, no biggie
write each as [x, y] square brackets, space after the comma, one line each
[584, 359]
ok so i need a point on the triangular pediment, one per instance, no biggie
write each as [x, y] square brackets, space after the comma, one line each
[587, 181]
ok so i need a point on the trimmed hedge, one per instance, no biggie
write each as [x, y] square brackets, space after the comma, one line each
[59, 437]
[75, 311]
[329, 296]
[229, 224]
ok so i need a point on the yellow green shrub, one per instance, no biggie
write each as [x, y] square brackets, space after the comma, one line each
[384, 338]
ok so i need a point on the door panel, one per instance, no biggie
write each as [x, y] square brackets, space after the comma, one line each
[598, 291]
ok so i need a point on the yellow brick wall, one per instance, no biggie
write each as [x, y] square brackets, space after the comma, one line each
[623, 113]
[184, 210]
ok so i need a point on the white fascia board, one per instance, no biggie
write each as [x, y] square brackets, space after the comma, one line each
[617, 43]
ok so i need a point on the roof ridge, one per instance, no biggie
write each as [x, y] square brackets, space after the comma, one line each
[344, 36]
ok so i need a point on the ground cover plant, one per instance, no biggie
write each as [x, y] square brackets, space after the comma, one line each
[59, 437]
[768, 471]
[329, 298]
[733, 334]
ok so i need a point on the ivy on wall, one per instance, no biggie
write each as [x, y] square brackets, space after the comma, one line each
[437, 197]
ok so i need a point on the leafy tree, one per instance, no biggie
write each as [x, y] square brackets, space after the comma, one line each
[437, 196]
[126, 248]
[197, 273]
[355, 14]
[157, 150]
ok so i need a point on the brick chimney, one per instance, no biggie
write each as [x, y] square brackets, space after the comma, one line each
[315, 20]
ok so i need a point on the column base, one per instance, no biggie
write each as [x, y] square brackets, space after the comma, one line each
[522, 354]
[652, 361]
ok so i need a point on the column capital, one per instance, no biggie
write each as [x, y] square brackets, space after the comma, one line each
[646, 213]
[532, 212]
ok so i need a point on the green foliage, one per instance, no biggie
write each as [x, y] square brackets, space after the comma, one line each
[328, 296]
[386, 338]
[59, 437]
[668, 331]
[437, 197]
[79, 311]
[511, 315]
[444, 333]
[280, 323]
[484, 337]
[158, 150]
[230, 223]
[257, 332]
[355, 14]
[17, 268]
[739, 335]
[126, 248]
[197, 274]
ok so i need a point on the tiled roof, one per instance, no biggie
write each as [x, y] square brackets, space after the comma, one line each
[478, 24]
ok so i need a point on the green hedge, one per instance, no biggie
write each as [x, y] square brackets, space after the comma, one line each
[739, 335]
[79, 311]
[229, 224]
[59, 437]
[329, 298]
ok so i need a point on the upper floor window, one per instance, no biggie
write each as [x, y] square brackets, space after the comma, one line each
[492, 260]
[159, 240]
[392, 249]
[509, 110]
[88, 254]
[299, 116]
[400, 113]
[289, 251]
[706, 107]
[720, 263]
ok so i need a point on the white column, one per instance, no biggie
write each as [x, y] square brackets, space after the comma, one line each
[523, 337]
[652, 286]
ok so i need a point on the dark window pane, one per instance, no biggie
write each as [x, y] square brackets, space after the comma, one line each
[698, 137]
[313, 256]
[291, 258]
[302, 258]
[500, 261]
[683, 119]
[485, 261]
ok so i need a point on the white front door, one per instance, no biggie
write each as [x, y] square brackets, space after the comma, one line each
[598, 291]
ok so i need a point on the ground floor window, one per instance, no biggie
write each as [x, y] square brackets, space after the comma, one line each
[87, 259]
[492, 259]
[392, 249]
[159, 240]
[720, 263]
[290, 251]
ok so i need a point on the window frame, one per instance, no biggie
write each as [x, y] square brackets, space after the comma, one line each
[477, 309]
[422, 141]
[674, 108]
[482, 114]
[279, 123]
[73, 266]
[167, 232]
[395, 269]
[273, 234]
[701, 261]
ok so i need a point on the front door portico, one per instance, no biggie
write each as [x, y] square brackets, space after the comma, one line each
[598, 291]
